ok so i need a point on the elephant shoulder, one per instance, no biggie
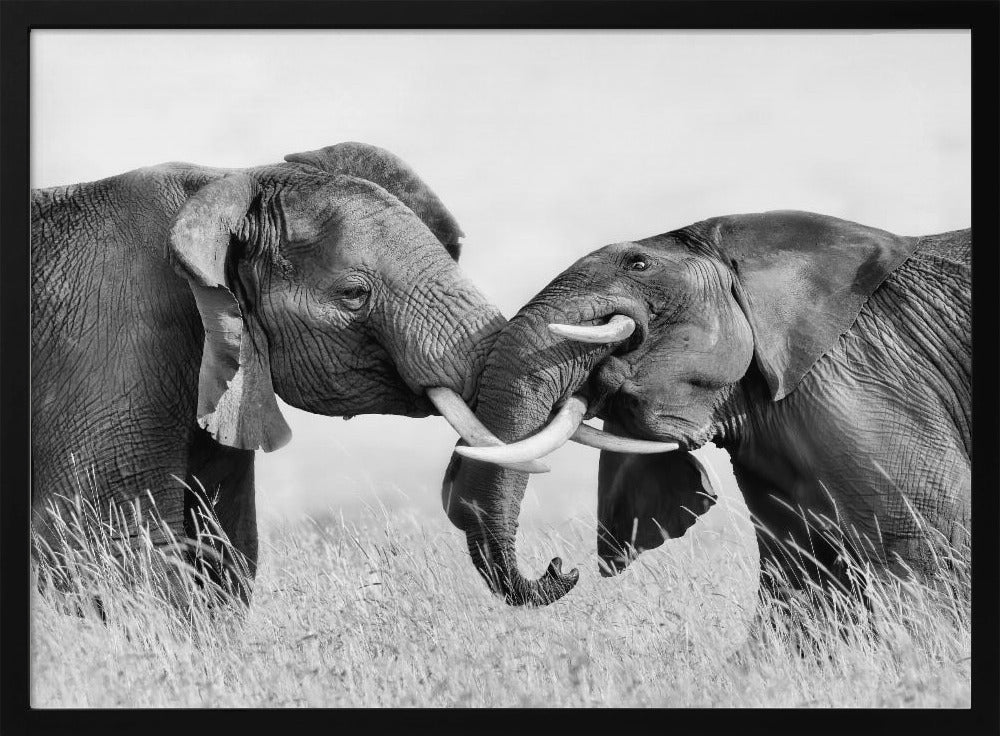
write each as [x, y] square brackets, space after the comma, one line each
[68, 214]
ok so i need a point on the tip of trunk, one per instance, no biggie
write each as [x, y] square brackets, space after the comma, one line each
[499, 570]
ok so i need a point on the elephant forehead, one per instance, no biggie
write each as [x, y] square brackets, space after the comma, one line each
[616, 252]
[347, 226]
[609, 260]
[609, 255]
[664, 243]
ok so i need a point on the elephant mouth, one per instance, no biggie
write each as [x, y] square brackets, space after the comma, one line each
[605, 385]
[615, 396]
[639, 417]
[658, 427]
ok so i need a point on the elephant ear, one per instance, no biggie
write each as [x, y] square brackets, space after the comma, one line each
[388, 171]
[801, 279]
[236, 402]
[644, 499]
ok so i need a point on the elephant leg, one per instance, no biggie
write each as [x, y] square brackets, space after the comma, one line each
[222, 500]
[108, 500]
[791, 596]
[797, 561]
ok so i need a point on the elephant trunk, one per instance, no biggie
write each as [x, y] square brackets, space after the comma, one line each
[499, 568]
[445, 330]
[528, 373]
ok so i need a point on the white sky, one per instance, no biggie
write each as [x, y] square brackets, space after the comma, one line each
[545, 145]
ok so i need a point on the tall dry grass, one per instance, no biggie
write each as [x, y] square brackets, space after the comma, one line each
[381, 607]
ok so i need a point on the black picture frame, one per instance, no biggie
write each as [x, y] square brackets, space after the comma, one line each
[18, 18]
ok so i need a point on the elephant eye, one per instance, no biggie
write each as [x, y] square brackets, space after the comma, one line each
[354, 295]
[638, 263]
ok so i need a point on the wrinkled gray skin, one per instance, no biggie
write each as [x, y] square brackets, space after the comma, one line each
[171, 304]
[831, 360]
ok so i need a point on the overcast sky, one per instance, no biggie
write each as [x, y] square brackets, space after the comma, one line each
[545, 146]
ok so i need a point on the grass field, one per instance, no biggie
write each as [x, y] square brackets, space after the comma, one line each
[380, 606]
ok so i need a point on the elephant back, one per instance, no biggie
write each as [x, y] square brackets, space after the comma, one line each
[954, 246]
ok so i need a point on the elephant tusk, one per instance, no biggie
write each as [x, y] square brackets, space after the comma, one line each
[618, 328]
[551, 437]
[708, 476]
[469, 428]
[593, 437]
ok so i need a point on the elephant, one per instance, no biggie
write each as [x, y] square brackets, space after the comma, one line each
[171, 304]
[830, 359]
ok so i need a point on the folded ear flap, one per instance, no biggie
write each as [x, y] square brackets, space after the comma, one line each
[388, 171]
[236, 402]
[801, 279]
[644, 499]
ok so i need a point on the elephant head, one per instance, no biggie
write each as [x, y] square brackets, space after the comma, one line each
[331, 281]
[657, 337]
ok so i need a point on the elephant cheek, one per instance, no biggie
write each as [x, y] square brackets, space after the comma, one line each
[644, 412]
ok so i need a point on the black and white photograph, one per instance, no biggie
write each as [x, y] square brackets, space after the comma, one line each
[499, 368]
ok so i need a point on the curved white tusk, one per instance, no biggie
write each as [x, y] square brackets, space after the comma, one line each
[552, 436]
[618, 328]
[593, 437]
[468, 426]
[708, 476]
